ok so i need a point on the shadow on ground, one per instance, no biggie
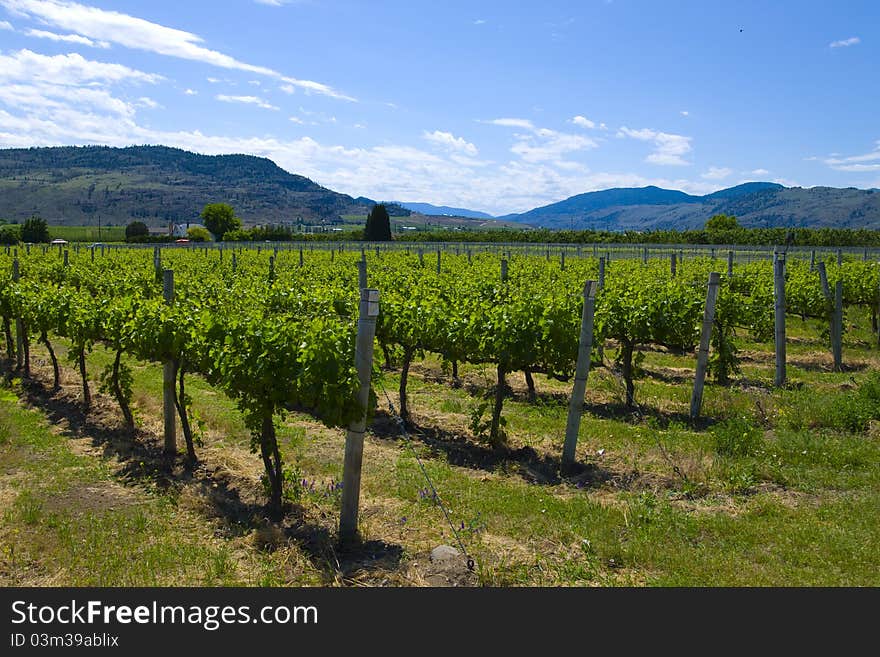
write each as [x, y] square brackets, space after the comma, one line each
[233, 501]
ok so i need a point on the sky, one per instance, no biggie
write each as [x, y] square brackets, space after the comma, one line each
[495, 106]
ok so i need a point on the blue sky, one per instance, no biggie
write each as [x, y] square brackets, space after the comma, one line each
[493, 106]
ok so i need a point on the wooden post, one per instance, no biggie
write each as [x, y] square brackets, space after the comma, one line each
[837, 334]
[362, 273]
[672, 264]
[438, 261]
[168, 392]
[839, 257]
[300, 257]
[705, 337]
[562, 260]
[730, 263]
[813, 260]
[234, 262]
[582, 370]
[19, 324]
[377, 250]
[644, 255]
[779, 311]
[27, 249]
[66, 258]
[835, 318]
[354, 438]
[503, 269]
[601, 273]
[271, 269]
[469, 257]
[421, 258]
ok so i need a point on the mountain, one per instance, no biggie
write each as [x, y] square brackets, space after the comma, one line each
[755, 204]
[157, 185]
[440, 210]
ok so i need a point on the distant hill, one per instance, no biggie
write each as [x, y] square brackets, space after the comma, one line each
[444, 210]
[156, 184]
[757, 204]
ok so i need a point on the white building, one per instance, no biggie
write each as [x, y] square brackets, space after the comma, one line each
[181, 229]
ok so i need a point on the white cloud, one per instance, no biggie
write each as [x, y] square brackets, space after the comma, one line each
[856, 168]
[71, 69]
[543, 144]
[6, 25]
[191, 92]
[479, 21]
[857, 163]
[513, 123]
[759, 172]
[247, 100]
[450, 142]
[288, 88]
[549, 145]
[669, 148]
[296, 120]
[685, 113]
[583, 122]
[843, 43]
[69, 38]
[717, 173]
[271, 3]
[140, 34]
[149, 103]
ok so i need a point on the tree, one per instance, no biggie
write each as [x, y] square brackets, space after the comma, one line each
[378, 227]
[722, 222]
[35, 230]
[219, 218]
[198, 234]
[135, 230]
[9, 234]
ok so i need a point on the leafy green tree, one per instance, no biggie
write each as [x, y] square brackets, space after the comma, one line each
[35, 230]
[722, 222]
[238, 235]
[135, 230]
[219, 218]
[198, 234]
[378, 227]
[10, 234]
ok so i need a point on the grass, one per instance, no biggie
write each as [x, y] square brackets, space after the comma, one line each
[773, 487]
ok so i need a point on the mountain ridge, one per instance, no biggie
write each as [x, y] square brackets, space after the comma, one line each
[84, 185]
[157, 185]
[755, 204]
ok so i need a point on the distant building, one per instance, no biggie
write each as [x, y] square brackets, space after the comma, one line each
[180, 230]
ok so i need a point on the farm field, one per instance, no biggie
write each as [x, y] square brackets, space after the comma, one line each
[88, 233]
[769, 486]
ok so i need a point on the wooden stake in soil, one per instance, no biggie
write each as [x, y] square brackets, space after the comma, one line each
[705, 337]
[362, 273]
[779, 316]
[19, 324]
[168, 407]
[354, 439]
[729, 264]
[835, 323]
[582, 370]
[837, 334]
